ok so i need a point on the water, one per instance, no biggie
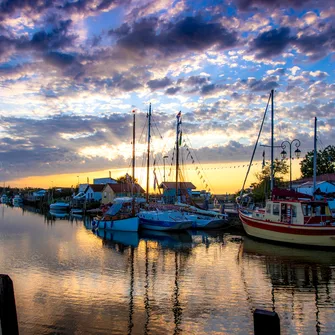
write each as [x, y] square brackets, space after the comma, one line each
[68, 280]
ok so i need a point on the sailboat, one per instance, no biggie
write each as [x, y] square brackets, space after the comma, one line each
[160, 219]
[290, 217]
[121, 215]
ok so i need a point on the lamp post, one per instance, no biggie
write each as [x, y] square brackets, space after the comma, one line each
[78, 181]
[164, 165]
[284, 154]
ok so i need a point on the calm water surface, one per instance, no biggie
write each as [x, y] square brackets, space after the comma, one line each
[69, 280]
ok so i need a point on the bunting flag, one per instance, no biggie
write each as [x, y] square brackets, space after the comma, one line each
[155, 180]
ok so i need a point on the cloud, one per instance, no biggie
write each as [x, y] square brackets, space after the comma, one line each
[190, 33]
[156, 84]
[254, 4]
[173, 90]
[316, 45]
[271, 43]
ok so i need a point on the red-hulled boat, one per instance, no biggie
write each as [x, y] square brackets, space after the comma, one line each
[291, 220]
[289, 216]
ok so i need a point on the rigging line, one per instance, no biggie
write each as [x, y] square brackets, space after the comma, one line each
[198, 161]
[253, 153]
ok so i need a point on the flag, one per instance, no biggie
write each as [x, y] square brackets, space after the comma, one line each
[178, 115]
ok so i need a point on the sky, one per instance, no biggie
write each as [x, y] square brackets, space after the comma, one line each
[71, 72]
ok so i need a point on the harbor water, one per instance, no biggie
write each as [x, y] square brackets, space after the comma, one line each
[69, 279]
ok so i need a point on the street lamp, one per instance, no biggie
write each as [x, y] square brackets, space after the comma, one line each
[164, 165]
[284, 154]
[78, 181]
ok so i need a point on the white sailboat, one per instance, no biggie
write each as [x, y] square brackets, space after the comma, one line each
[121, 215]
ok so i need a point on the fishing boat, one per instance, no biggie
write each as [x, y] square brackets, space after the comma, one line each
[288, 216]
[121, 215]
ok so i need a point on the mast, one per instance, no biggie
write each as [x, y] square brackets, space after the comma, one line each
[148, 151]
[177, 151]
[133, 171]
[272, 142]
[314, 156]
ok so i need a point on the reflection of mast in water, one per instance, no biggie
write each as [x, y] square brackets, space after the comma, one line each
[146, 294]
[177, 310]
[131, 292]
[317, 311]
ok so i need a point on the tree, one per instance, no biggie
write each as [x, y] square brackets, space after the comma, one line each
[262, 189]
[325, 160]
[126, 179]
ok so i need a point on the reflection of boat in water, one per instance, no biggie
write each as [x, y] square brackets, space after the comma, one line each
[124, 237]
[4, 199]
[60, 206]
[17, 200]
[171, 240]
[58, 214]
[283, 253]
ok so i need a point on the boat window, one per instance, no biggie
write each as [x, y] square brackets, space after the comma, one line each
[268, 208]
[317, 210]
[275, 210]
[294, 211]
[306, 209]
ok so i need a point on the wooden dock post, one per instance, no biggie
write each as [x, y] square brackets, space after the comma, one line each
[266, 322]
[8, 317]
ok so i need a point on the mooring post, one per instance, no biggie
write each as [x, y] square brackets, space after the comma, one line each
[8, 317]
[266, 322]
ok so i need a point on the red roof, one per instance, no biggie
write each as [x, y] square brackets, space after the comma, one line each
[120, 188]
[283, 193]
[96, 187]
[181, 185]
[324, 177]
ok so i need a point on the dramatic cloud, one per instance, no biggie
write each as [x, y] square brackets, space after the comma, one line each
[271, 43]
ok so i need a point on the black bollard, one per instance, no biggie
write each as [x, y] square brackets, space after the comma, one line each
[266, 323]
[8, 317]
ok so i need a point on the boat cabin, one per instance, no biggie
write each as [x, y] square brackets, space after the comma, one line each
[295, 212]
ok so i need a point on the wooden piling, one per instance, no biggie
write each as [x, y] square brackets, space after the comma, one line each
[266, 322]
[8, 317]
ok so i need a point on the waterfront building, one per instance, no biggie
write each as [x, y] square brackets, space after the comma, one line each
[112, 191]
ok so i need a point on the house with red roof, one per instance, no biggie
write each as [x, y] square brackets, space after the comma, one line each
[112, 191]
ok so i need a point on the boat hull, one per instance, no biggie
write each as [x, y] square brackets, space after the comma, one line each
[164, 225]
[321, 236]
[128, 224]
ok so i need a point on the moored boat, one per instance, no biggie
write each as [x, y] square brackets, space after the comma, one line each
[295, 221]
[118, 217]
[164, 220]
[289, 216]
